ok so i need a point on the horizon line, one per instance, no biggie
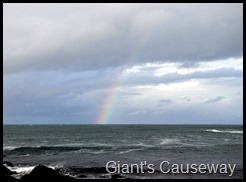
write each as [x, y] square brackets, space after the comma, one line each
[119, 124]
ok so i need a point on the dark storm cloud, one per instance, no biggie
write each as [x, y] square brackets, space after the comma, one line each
[62, 61]
[62, 93]
[87, 36]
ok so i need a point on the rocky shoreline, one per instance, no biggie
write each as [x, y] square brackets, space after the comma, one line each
[41, 172]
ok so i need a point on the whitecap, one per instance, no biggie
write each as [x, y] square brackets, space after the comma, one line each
[58, 165]
[166, 141]
[69, 145]
[225, 131]
[102, 144]
[27, 169]
[144, 145]
[22, 169]
[130, 150]
[96, 152]
[9, 147]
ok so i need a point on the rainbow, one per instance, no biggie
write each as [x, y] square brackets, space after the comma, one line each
[110, 100]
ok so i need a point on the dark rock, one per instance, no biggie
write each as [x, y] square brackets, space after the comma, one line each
[6, 174]
[103, 177]
[9, 178]
[8, 163]
[81, 176]
[45, 173]
[89, 170]
[116, 176]
[6, 171]
[99, 170]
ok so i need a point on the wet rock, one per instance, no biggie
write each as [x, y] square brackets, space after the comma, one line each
[7, 163]
[41, 172]
[82, 176]
[116, 176]
[88, 170]
[9, 178]
[6, 171]
[6, 174]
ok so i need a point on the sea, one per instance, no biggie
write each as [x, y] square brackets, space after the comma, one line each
[88, 146]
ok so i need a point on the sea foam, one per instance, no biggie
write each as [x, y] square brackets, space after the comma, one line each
[225, 131]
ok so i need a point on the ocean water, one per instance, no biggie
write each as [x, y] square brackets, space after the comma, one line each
[94, 145]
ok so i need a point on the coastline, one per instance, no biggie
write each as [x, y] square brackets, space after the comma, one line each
[82, 152]
[101, 173]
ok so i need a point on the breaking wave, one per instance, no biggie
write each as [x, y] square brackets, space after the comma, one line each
[225, 131]
[130, 150]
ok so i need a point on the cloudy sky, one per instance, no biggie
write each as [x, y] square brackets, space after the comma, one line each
[123, 63]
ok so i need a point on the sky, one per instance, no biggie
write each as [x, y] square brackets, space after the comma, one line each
[122, 63]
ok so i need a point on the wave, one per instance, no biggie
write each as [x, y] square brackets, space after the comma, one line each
[144, 145]
[92, 148]
[133, 145]
[23, 169]
[96, 152]
[130, 150]
[69, 145]
[10, 147]
[94, 144]
[102, 144]
[166, 141]
[52, 150]
[225, 131]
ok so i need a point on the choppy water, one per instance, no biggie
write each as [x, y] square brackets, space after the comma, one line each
[95, 145]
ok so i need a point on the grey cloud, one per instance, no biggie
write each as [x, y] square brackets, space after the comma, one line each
[138, 112]
[193, 114]
[145, 78]
[238, 93]
[187, 99]
[50, 93]
[33, 93]
[60, 62]
[164, 102]
[213, 100]
[189, 65]
[129, 93]
[79, 37]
